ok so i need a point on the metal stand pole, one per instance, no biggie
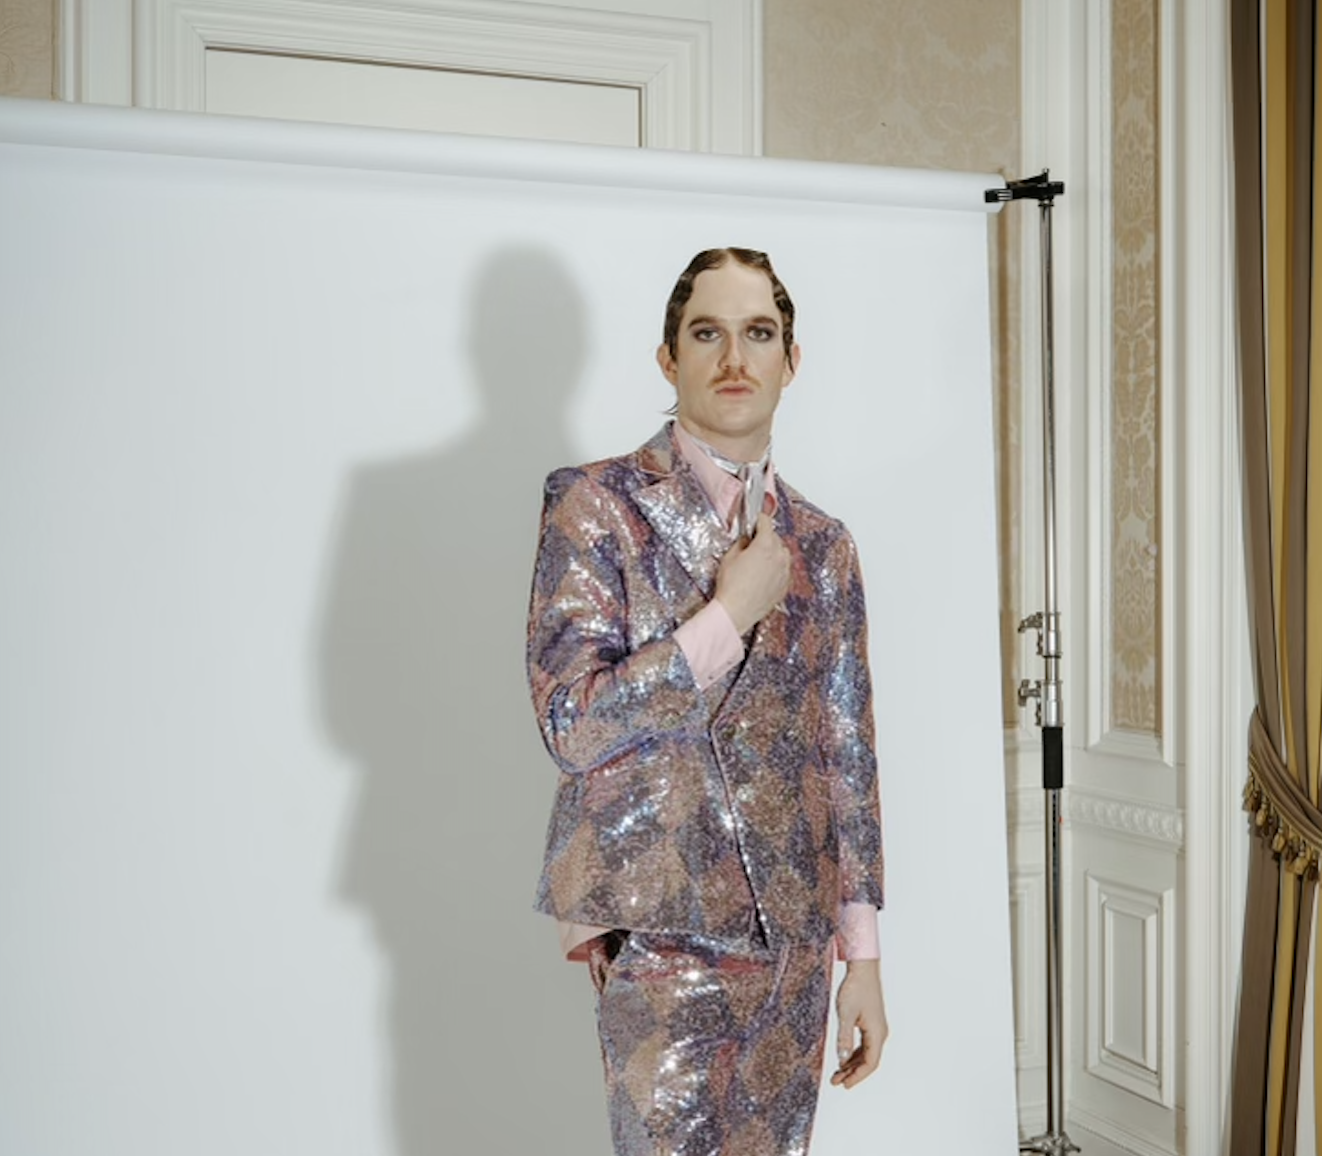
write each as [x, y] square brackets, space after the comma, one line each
[1047, 690]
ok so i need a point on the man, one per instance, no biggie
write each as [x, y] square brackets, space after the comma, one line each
[697, 657]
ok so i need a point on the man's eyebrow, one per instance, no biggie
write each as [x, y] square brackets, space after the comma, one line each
[708, 319]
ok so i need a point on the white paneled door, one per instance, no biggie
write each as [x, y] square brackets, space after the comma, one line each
[435, 99]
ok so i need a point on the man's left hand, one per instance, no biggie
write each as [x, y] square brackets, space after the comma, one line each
[859, 1005]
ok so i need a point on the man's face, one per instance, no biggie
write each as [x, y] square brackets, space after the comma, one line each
[729, 365]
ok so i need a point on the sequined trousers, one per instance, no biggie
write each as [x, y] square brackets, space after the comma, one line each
[711, 1047]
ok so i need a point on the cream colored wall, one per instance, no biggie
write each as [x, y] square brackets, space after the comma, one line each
[27, 57]
[934, 85]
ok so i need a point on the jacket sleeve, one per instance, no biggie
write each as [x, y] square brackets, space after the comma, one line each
[593, 697]
[848, 739]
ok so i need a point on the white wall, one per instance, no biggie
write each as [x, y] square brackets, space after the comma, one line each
[272, 432]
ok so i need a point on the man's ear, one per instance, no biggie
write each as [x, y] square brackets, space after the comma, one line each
[791, 364]
[667, 363]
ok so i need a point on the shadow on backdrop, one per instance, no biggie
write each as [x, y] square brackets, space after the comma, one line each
[423, 687]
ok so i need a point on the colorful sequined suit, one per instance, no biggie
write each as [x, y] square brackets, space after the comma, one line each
[750, 804]
[721, 828]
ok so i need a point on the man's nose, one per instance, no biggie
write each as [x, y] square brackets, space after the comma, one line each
[732, 354]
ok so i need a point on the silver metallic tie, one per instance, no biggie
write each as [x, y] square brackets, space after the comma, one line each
[752, 485]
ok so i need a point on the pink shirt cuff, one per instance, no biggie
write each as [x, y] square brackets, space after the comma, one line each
[856, 937]
[711, 643]
[574, 939]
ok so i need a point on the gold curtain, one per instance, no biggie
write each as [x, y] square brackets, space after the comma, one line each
[1278, 240]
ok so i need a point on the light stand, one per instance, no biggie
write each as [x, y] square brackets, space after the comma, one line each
[1046, 691]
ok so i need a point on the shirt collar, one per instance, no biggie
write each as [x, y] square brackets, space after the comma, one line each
[722, 489]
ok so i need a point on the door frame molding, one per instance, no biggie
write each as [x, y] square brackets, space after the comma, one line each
[696, 63]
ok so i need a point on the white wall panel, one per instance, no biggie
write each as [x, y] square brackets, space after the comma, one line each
[1130, 971]
[1123, 1012]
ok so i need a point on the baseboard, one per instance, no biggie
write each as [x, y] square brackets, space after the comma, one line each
[1115, 1134]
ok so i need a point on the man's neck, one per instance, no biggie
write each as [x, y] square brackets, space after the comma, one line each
[751, 448]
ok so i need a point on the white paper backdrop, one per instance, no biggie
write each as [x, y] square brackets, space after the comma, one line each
[272, 436]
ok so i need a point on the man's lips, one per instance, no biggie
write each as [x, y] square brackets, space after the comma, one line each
[735, 387]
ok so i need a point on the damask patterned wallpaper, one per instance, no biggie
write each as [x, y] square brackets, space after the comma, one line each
[1134, 482]
[26, 48]
[930, 85]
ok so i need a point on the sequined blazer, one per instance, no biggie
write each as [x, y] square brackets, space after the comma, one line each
[686, 810]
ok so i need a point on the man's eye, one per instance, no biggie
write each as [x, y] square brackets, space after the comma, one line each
[761, 333]
[706, 334]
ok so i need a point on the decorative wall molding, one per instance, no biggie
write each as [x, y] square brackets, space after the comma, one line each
[94, 56]
[1133, 745]
[697, 63]
[1130, 988]
[1144, 822]
[1098, 284]
[1171, 448]
[1210, 614]
[1025, 811]
[1027, 915]
[661, 59]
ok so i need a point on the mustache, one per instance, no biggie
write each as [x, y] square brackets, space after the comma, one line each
[735, 377]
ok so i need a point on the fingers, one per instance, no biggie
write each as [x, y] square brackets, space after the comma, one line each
[869, 1056]
[849, 1072]
[767, 544]
[844, 1041]
[848, 1056]
[764, 536]
[754, 578]
[858, 1065]
[853, 1069]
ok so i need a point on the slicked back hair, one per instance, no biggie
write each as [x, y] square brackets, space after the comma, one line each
[714, 259]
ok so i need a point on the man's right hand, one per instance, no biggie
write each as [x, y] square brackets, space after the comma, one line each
[754, 578]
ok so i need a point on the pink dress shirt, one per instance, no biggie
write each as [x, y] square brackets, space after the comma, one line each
[711, 643]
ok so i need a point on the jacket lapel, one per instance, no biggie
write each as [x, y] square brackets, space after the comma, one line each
[678, 510]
